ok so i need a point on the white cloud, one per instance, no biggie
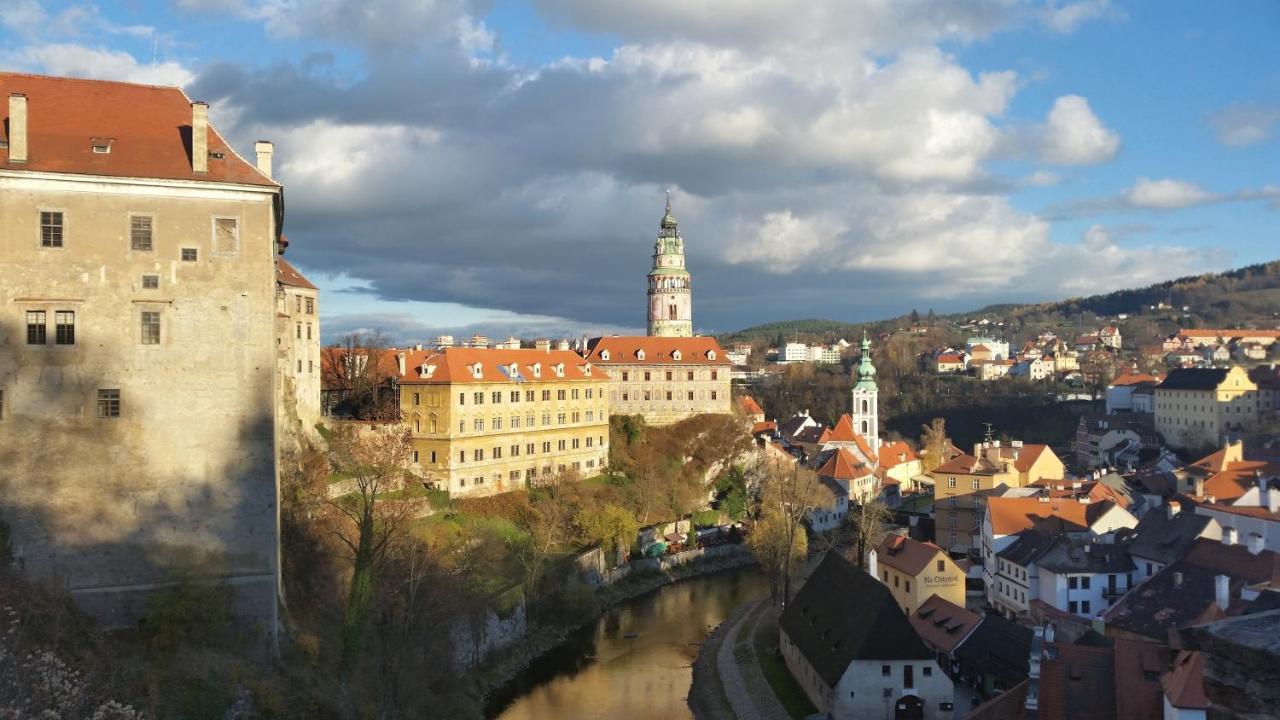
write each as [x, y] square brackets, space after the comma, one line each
[1245, 123]
[1042, 178]
[81, 61]
[781, 242]
[1067, 17]
[1073, 135]
[1166, 194]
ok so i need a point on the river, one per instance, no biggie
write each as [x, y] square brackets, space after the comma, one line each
[634, 662]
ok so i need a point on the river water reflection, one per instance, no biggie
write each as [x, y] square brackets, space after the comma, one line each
[634, 661]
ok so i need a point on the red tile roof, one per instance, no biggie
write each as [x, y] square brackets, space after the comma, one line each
[909, 556]
[1134, 379]
[148, 126]
[765, 426]
[626, 350]
[750, 406]
[842, 465]
[1010, 515]
[895, 453]
[456, 365]
[844, 433]
[961, 464]
[287, 274]
[1135, 662]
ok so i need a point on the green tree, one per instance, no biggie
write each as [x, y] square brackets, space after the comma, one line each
[611, 527]
[778, 540]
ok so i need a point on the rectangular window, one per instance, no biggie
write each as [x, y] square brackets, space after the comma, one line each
[1072, 582]
[65, 327]
[690, 375]
[150, 282]
[478, 454]
[575, 394]
[462, 456]
[415, 456]
[190, 254]
[546, 447]
[140, 233]
[417, 398]
[308, 331]
[560, 445]
[714, 374]
[559, 418]
[691, 396]
[941, 565]
[151, 327]
[646, 376]
[1084, 607]
[109, 403]
[626, 376]
[528, 396]
[1071, 607]
[1, 404]
[515, 396]
[713, 394]
[529, 449]
[36, 330]
[51, 229]
[515, 451]
[575, 443]
[477, 398]
[433, 457]
[1084, 582]
[496, 397]
[497, 423]
[478, 424]
[311, 306]
[497, 453]
[560, 395]
[669, 376]
[977, 484]
[908, 676]
[546, 395]
[885, 670]
[226, 236]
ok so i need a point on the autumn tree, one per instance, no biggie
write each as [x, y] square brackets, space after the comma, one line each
[778, 540]
[611, 527]
[933, 444]
[374, 459]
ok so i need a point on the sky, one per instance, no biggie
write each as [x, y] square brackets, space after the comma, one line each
[460, 166]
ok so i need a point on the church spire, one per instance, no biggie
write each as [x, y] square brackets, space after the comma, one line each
[670, 302]
[866, 371]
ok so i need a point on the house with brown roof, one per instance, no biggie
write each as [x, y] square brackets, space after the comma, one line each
[298, 345]
[915, 571]
[663, 379]
[138, 279]
[961, 484]
[751, 408]
[1005, 517]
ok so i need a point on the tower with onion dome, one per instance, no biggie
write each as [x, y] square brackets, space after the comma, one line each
[866, 398]
[670, 296]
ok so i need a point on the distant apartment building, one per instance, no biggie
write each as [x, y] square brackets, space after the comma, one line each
[298, 344]
[961, 484]
[1199, 406]
[486, 421]
[1206, 336]
[664, 379]
[987, 348]
[138, 360]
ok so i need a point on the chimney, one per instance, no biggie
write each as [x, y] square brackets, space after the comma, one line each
[1177, 580]
[17, 128]
[199, 137]
[1222, 591]
[1256, 543]
[1229, 536]
[265, 150]
[542, 344]
[1174, 507]
[400, 363]
[873, 567]
[1265, 497]
[1199, 487]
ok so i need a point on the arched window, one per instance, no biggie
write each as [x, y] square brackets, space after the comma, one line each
[671, 312]
[864, 427]
[864, 407]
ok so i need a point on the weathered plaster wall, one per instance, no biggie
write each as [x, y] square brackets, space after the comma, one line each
[183, 482]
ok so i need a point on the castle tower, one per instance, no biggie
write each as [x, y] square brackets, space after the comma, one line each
[866, 399]
[670, 297]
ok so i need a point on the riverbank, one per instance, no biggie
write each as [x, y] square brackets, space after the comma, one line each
[508, 663]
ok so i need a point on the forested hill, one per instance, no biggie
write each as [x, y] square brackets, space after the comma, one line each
[1242, 297]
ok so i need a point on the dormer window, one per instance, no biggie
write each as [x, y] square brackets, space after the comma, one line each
[426, 370]
[711, 354]
[586, 370]
[537, 370]
[640, 354]
[604, 355]
[100, 146]
[559, 368]
[476, 371]
[513, 369]
[676, 356]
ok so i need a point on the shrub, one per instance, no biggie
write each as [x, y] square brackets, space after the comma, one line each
[187, 613]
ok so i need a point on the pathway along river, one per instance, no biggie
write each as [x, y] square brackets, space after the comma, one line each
[634, 662]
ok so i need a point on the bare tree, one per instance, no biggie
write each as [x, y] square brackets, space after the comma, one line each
[358, 375]
[867, 525]
[374, 458]
[933, 444]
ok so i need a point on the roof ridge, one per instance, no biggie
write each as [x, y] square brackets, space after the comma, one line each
[72, 78]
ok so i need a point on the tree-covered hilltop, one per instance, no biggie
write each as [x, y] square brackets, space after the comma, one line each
[1244, 297]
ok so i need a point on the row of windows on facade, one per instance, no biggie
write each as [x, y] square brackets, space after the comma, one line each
[299, 331]
[529, 473]
[647, 375]
[310, 308]
[478, 424]
[977, 483]
[478, 454]
[689, 395]
[1203, 408]
[226, 234]
[495, 397]
[64, 327]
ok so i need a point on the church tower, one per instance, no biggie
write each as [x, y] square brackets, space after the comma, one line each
[670, 297]
[866, 399]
